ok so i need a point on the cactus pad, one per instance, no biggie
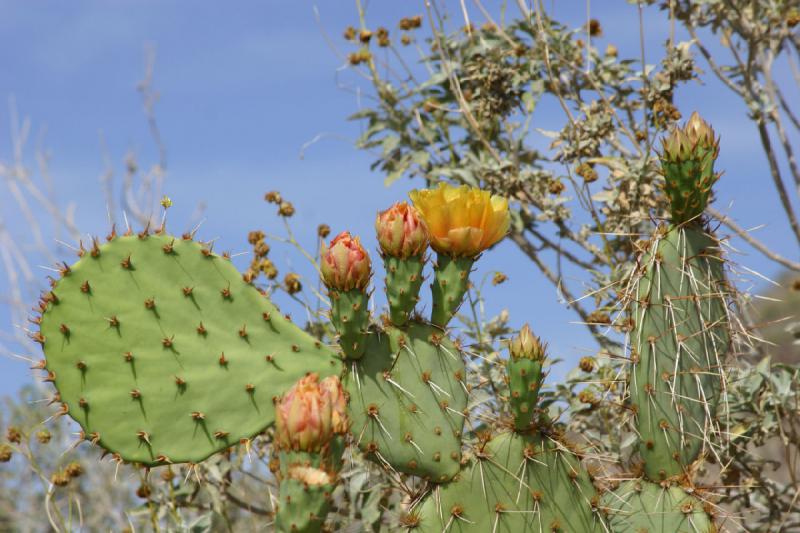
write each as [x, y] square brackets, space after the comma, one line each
[515, 483]
[638, 506]
[403, 281]
[350, 316]
[406, 401]
[302, 507]
[162, 352]
[450, 284]
[525, 378]
[679, 341]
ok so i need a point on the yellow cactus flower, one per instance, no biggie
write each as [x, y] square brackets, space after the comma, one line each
[462, 221]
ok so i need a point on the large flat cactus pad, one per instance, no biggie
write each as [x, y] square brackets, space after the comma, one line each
[163, 353]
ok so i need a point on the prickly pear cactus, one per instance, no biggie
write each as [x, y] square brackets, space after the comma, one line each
[681, 328]
[637, 506]
[514, 482]
[407, 399]
[679, 341]
[162, 353]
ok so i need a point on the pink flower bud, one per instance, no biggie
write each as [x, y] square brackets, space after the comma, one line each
[333, 395]
[345, 264]
[401, 233]
[310, 413]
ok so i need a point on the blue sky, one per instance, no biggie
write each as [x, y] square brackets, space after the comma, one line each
[243, 86]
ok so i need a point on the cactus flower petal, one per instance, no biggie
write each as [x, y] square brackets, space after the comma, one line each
[462, 221]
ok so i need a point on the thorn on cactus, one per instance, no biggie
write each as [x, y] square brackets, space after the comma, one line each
[144, 437]
[226, 292]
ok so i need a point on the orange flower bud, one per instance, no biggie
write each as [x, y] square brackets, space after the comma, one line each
[310, 413]
[345, 264]
[333, 395]
[400, 231]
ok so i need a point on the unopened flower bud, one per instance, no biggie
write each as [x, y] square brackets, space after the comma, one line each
[401, 232]
[333, 394]
[687, 160]
[310, 414]
[345, 264]
[527, 345]
[695, 140]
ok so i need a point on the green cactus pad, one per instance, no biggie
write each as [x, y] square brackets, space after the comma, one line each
[403, 281]
[524, 380]
[515, 483]
[450, 284]
[680, 338]
[350, 316]
[163, 353]
[330, 458]
[406, 401]
[639, 506]
[302, 508]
